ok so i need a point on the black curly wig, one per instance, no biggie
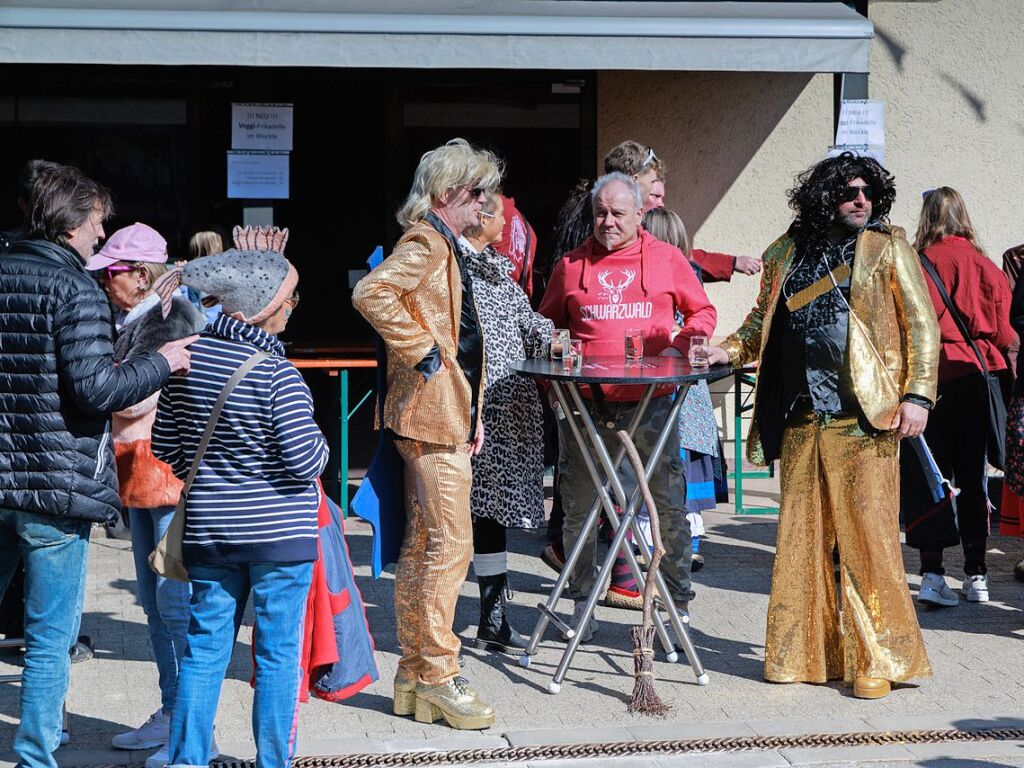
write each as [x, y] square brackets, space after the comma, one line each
[814, 199]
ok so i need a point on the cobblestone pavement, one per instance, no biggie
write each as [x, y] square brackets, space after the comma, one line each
[975, 650]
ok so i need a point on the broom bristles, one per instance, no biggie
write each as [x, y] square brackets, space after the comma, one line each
[645, 699]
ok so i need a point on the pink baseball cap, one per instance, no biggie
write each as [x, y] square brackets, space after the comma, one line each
[137, 242]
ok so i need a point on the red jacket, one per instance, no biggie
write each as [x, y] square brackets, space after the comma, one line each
[598, 294]
[518, 244]
[981, 294]
[716, 267]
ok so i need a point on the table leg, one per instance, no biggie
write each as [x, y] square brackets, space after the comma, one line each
[630, 509]
[547, 609]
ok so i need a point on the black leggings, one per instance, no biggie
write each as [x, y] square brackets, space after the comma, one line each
[489, 536]
[956, 433]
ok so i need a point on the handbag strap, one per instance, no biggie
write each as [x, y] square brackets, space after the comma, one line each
[929, 267]
[251, 362]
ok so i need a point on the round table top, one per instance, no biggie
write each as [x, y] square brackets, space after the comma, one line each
[615, 370]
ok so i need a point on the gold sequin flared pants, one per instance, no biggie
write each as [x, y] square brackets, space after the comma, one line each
[840, 485]
[434, 559]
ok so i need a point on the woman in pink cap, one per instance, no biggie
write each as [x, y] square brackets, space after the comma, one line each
[127, 266]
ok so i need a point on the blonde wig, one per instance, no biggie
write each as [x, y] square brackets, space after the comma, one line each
[443, 170]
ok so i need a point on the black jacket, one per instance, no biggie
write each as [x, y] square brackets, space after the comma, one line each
[59, 384]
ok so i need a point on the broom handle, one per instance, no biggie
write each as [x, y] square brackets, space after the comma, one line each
[652, 511]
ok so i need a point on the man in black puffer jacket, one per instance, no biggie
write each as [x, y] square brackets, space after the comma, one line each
[58, 386]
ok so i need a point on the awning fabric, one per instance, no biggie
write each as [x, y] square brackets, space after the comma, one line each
[796, 36]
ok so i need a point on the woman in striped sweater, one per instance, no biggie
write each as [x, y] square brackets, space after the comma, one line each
[252, 521]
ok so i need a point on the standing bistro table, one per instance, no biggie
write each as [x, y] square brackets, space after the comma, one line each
[566, 381]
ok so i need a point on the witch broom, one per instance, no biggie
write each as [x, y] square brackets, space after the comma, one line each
[645, 699]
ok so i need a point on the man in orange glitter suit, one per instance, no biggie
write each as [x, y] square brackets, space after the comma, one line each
[422, 306]
[848, 347]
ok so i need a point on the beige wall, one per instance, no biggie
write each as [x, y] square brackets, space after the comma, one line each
[733, 142]
[952, 75]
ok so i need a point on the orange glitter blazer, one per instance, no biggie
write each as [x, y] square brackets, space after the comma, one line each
[413, 299]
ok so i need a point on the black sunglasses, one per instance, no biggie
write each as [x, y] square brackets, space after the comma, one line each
[849, 194]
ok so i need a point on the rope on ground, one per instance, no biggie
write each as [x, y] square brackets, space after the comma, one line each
[625, 749]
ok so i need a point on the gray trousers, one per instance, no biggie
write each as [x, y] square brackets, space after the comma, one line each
[668, 487]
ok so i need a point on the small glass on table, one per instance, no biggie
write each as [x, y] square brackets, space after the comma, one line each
[634, 345]
[559, 343]
[572, 361]
[699, 353]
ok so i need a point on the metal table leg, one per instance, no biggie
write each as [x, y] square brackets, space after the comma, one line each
[629, 516]
[618, 544]
[547, 609]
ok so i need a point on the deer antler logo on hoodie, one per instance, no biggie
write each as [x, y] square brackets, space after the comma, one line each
[613, 291]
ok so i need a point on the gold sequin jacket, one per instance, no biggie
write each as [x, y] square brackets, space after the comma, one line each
[893, 341]
[413, 299]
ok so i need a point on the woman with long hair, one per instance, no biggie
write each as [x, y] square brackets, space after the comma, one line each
[956, 430]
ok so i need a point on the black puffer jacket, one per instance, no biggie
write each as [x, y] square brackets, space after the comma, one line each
[59, 384]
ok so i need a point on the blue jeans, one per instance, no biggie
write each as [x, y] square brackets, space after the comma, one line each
[54, 550]
[165, 601]
[219, 594]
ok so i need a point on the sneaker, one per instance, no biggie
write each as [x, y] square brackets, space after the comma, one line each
[151, 734]
[935, 591]
[162, 756]
[696, 562]
[587, 634]
[976, 588]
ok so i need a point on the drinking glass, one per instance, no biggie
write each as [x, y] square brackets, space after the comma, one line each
[699, 352]
[573, 360]
[634, 344]
[559, 343]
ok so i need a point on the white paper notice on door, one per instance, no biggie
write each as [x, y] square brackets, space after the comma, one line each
[861, 122]
[262, 126]
[258, 175]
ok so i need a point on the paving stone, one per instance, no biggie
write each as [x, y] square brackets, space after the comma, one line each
[974, 650]
[812, 756]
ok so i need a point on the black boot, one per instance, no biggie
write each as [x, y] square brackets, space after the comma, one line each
[495, 633]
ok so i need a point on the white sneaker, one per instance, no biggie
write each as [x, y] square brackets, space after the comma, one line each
[151, 734]
[935, 591]
[976, 588]
[162, 756]
[587, 634]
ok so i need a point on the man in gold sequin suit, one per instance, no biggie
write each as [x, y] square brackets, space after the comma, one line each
[848, 347]
[420, 302]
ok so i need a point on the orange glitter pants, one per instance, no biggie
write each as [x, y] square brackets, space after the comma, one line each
[840, 485]
[434, 559]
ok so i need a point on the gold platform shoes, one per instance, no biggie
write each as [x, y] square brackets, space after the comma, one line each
[871, 687]
[405, 693]
[456, 702]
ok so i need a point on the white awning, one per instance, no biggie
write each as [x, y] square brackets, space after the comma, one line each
[801, 36]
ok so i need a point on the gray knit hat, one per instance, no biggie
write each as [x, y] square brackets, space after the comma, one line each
[249, 284]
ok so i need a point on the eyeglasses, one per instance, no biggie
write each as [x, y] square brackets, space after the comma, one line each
[651, 157]
[290, 304]
[488, 215]
[475, 192]
[108, 273]
[849, 194]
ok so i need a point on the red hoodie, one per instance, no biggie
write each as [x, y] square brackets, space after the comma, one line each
[598, 295]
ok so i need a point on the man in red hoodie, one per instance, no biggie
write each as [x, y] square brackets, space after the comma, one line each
[623, 278]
